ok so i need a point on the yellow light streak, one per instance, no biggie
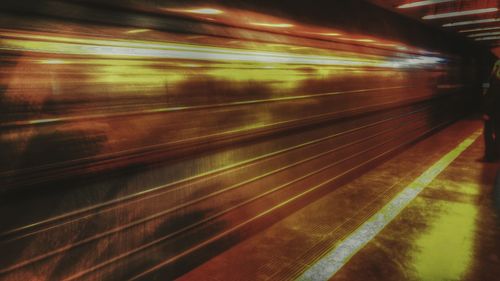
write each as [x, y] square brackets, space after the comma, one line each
[357, 40]
[385, 45]
[278, 25]
[42, 121]
[329, 34]
[134, 31]
[121, 48]
[52, 61]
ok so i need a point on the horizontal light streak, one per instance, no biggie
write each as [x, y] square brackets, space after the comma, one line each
[330, 34]
[488, 38]
[42, 121]
[422, 3]
[386, 45]
[333, 261]
[18, 41]
[133, 31]
[460, 13]
[278, 25]
[52, 61]
[199, 11]
[358, 40]
[195, 107]
[120, 48]
[484, 34]
[197, 53]
[460, 23]
[480, 29]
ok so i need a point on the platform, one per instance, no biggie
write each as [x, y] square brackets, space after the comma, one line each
[427, 214]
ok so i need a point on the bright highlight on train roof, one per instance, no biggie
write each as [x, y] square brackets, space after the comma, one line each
[459, 23]
[422, 3]
[460, 13]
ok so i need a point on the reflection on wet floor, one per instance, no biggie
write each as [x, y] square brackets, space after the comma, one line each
[444, 251]
[449, 232]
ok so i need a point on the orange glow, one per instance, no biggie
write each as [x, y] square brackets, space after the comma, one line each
[386, 45]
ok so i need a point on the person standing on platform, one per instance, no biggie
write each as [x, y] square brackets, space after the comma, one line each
[491, 116]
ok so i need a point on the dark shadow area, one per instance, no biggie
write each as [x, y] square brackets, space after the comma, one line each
[496, 196]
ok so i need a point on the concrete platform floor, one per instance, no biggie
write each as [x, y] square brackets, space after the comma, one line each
[429, 213]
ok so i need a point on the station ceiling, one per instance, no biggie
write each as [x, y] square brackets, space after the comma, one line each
[476, 20]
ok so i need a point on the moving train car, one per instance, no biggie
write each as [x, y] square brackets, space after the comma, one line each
[140, 138]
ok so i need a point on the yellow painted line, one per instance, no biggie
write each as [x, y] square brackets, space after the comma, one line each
[333, 261]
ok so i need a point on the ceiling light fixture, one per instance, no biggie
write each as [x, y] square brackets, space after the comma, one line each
[480, 29]
[459, 23]
[422, 3]
[484, 34]
[488, 38]
[460, 13]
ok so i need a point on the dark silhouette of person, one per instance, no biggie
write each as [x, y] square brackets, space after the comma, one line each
[491, 116]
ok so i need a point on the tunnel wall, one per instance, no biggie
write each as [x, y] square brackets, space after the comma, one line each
[139, 145]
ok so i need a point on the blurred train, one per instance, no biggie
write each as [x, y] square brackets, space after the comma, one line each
[140, 138]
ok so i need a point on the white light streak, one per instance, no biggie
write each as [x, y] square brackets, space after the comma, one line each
[459, 23]
[484, 34]
[480, 29]
[198, 11]
[422, 3]
[204, 11]
[460, 13]
[488, 38]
